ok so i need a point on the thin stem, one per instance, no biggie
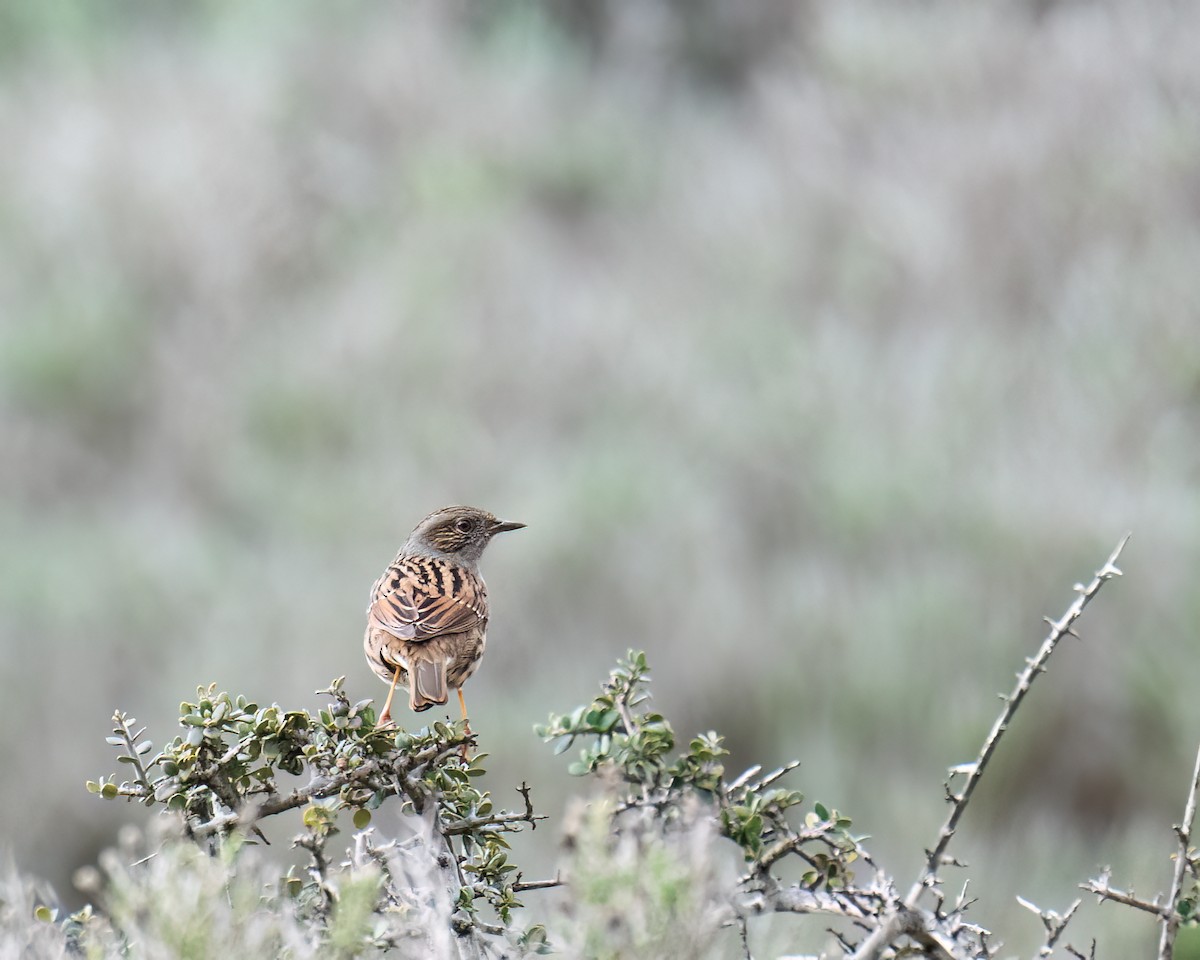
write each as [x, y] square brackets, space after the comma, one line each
[892, 926]
[1033, 667]
[1101, 889]
[1170, 920]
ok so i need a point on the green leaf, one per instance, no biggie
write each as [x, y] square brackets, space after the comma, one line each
[821, 811]
[361, 818]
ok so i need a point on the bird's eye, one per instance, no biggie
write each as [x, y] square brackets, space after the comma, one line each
[463, 525]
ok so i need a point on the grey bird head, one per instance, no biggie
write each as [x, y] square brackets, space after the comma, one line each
[458, 534]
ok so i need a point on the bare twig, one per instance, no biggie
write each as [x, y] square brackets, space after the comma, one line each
[886, 932]
[315, 844]
[1170, 920]
[522, 885]
[744, 934]
[790, 844]
[1033, 666]
[1102, 889]
[773, 775]
[745, 776]
[1054, 923]
[471, 824]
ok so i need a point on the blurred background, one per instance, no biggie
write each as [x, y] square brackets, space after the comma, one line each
[822, 346]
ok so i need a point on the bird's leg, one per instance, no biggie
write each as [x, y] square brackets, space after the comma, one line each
[463, 705]
[386, 716]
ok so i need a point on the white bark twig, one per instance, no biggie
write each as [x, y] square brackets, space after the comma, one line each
[1012, 702]
[1102, 889]
[1171, 918]
[885, 933]
[1054, 923]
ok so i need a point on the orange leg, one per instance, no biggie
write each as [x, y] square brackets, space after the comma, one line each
[386, 716]
[463, 706]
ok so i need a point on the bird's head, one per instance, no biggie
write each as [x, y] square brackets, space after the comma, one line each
[456, 533]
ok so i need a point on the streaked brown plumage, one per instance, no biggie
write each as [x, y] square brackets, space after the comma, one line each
[428, 613]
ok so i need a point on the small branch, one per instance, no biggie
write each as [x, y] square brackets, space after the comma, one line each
[1170, 921]
[789, 844]
[237, 748]
[1101, 889]
[887, 931]
[522, 885]
[746, 775]
[801, 900]
[121, 725]
[319, 871]
[744, 932]
[743, 781]
[322, 787]
[1012, 702]
[622, 705]
[470, 824]
[1053, 922]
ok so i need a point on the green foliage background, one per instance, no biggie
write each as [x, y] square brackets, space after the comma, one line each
[821, 346]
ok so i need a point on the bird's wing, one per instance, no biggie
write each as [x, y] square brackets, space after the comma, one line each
[418, 598]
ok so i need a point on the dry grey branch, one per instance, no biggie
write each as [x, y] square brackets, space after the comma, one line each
[1183, 860]
[1170, 912]
[1012, 702]
[936, 858]
[1101, 887]
[1054, 923]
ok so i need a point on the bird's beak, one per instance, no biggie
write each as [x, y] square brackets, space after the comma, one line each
[500, 526]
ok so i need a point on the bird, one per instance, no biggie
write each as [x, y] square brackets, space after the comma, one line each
[428, 613]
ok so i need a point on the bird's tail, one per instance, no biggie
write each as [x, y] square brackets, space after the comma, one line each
[427, 685]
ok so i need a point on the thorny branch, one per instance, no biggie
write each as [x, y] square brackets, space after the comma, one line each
[1034, 666]
[886, 933]
[1183, 861]
[1128, 898]
[473, 824]
[1168, 912]
[1054, 923]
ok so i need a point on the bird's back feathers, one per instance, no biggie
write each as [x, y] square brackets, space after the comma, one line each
[418, 598]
